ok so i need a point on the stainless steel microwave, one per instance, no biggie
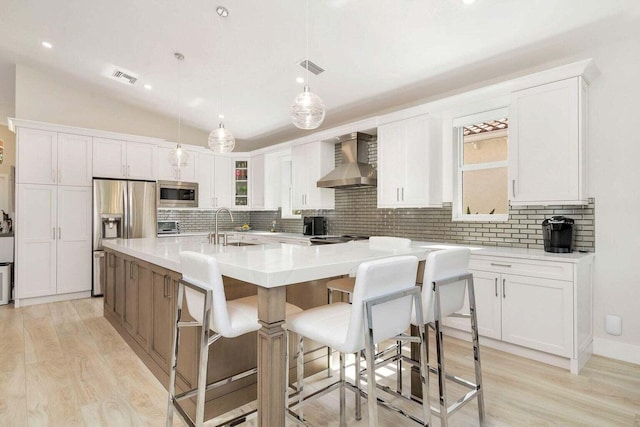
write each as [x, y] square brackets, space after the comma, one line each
[177, 194]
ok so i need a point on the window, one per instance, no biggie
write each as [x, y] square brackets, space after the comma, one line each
[482, 153]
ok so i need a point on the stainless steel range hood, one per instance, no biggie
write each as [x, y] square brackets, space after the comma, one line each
[354, 170]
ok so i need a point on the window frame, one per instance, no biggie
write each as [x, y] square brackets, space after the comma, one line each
[458, 123]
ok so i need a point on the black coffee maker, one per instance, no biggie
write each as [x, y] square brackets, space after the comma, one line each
[314, 226]
[557, 233]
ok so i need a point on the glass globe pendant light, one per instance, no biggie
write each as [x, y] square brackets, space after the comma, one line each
[307, 110]
[178, 157]
[221, 139]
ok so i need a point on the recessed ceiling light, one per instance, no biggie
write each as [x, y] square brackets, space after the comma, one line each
[148, 87]
[47, 45]
[300, 80]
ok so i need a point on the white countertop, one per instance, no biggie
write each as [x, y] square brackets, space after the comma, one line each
[270, 265]
[278, 264]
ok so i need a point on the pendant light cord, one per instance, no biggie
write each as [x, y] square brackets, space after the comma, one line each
[307, 37]
[179, 100]
[221, 69]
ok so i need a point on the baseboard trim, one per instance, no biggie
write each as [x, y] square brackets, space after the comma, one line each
[24, 302]
[616, 350]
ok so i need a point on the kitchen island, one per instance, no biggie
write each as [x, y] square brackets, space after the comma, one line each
[151, 267]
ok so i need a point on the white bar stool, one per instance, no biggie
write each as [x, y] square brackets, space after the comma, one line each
[383, 299]
[346, 284]
[206, 303]
[443, 289]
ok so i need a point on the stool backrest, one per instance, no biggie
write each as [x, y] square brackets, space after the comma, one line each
[374, 279]
[387, 242]
[443, 264]
[202, 270]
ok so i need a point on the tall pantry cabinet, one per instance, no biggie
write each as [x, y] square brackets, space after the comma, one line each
[53, 215]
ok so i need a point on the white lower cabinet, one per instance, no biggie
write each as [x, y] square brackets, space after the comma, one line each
[539, 305]
[53, 240]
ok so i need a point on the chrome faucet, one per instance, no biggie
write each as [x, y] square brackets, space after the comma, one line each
[213, 237]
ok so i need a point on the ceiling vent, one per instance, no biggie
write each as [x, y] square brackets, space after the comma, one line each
[312, 67]
[124, 77]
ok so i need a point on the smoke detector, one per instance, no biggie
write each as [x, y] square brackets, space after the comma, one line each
[123, 77]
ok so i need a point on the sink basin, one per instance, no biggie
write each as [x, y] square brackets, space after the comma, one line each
[239, 244]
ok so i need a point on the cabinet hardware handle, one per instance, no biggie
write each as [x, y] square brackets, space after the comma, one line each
[513, 187]
[164, 290]
[504, 292]
[397, 194]
[54, 233]
[494, 264]
[495, 286]
[403, 194]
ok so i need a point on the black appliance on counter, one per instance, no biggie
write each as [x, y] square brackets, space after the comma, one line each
[314, 226]
[557, 233]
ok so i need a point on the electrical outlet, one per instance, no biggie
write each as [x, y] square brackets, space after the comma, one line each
[613, 324]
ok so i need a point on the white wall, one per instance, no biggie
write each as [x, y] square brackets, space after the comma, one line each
[51, 98]
[614, 172]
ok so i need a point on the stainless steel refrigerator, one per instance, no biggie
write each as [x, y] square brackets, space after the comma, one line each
[121, 209]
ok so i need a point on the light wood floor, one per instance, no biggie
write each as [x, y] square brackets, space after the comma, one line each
[62, 364]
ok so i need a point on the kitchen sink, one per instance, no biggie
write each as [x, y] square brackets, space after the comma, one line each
[239, 244]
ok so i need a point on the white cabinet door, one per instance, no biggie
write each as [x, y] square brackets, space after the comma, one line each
[75, 166]
[257, 181]
[109, 158]
[409, 164]
[487, 291]
[309, 163]
[142, 160]
[538, 313]
[37, 154]
[206, 166]
[36, 240]
[223, 182]
[167, 172]
[391, 158]
[299, 161]
[74, 239]
[546, 139]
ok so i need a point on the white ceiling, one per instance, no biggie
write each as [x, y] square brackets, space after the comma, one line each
[377, 53]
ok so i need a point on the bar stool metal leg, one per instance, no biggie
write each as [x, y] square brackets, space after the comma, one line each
[343, 415]
[300, 374]
[476, 349]
[329, 351]
[442, 390]
[174, 355]
[358, 386]
[204, 359]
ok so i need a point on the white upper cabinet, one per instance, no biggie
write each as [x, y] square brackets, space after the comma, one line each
[121, 159]
[142, 161]
[46, 157]
[309, 163]
[167, 172]
[257, 182]
[410, 163]
[547, 139]
[214, 181]
[241, 184]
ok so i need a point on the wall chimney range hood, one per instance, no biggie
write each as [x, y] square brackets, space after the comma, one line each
[354, 170]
